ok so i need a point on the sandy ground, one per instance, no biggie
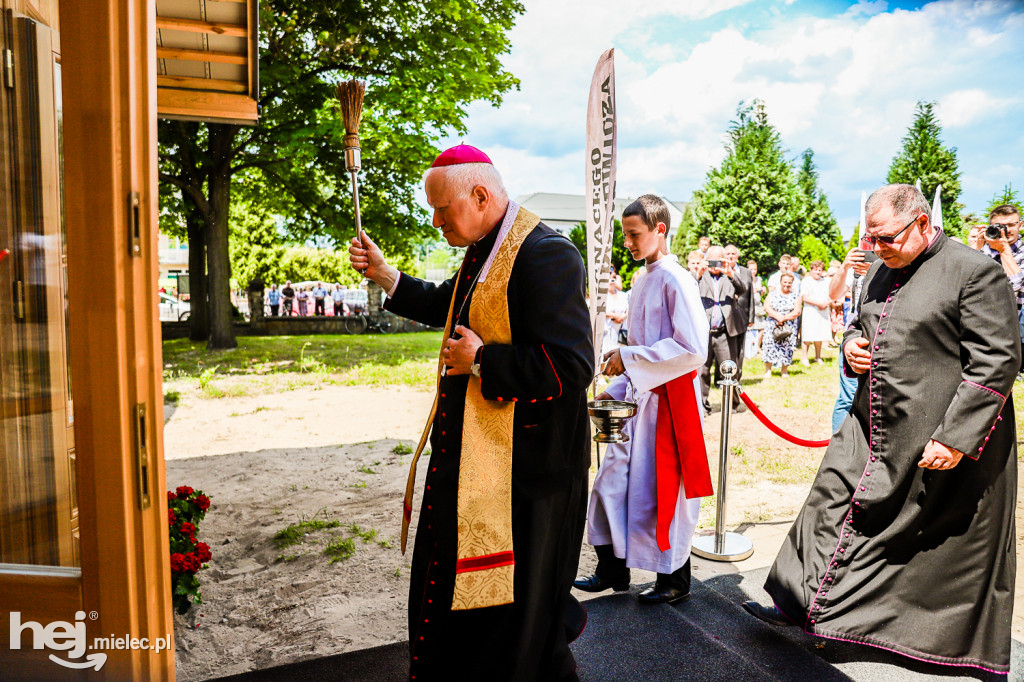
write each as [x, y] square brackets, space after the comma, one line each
[329, 453]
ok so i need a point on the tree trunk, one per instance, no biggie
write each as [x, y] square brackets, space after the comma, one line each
[199, 312]
[222, 335]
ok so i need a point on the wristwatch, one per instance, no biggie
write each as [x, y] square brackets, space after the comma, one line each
[475, 367]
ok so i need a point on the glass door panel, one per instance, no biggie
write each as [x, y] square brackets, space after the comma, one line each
[38, 509]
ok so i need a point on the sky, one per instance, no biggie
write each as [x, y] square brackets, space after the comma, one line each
[839, 77]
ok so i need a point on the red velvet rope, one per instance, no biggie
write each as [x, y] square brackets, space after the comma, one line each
[776, 430]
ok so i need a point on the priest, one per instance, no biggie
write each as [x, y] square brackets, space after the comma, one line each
[906, 541]
[503, 507]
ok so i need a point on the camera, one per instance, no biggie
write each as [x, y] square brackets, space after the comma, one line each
[715, 263]
[994, 231]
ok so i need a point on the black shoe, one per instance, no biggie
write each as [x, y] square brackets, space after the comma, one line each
[575, 619]
[768, 614]
[595, 583]
[662, 594]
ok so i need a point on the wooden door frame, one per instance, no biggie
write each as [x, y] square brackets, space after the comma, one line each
[110, 151]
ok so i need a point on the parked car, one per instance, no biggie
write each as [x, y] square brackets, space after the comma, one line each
[356, 300]
[173, 310]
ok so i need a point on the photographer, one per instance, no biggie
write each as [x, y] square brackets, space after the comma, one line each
[1003, 243]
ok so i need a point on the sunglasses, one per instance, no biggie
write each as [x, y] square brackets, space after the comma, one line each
[890, 240]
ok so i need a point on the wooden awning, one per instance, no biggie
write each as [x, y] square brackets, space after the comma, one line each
[207, 60]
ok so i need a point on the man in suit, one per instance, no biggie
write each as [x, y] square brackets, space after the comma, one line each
[721, 290]
[744, 310]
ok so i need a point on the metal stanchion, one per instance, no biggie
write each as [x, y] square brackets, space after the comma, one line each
[723, 546]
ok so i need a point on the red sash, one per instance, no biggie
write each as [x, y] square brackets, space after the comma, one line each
[679, 451]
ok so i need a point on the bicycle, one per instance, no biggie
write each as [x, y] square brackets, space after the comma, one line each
[360, 323]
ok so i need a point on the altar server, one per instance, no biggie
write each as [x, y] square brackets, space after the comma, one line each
[646, 498]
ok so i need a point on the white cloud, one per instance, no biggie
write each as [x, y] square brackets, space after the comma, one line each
[964, 107]
[867, 8]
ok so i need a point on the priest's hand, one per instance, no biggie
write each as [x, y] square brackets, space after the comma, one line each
[367, 259]
[459, 354]
[613, 366]
[938, 456]
[858, 357]
[855, 259]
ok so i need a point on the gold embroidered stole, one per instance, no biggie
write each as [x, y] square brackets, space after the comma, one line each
[486, 563]
[485, 559]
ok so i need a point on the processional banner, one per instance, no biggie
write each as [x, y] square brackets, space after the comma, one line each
[600, 191]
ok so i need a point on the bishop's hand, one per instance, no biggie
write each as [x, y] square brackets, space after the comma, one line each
[459, 354]
[366, 258]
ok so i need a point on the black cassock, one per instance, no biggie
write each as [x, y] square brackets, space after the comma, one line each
[546, 370]
[918, 561]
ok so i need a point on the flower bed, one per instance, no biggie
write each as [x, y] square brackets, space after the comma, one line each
[186, 508]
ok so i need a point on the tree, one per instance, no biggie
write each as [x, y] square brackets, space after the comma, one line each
[812, 249]
[255, 245]
[854, 239]
[684, 233]
[424, 63]
[924, 157]
[1007, 196]
[752, 199]
[818, 219]
[622, 259]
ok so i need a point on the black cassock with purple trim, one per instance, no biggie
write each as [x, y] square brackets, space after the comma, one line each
[885, 553]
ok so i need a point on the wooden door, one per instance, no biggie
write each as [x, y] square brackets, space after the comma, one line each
[83, 534]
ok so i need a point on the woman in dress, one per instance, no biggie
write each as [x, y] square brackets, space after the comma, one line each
[303, 298]
[817, 327]
[783, 309]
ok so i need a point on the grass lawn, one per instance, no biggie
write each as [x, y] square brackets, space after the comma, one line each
[270, 354]
[270, 364]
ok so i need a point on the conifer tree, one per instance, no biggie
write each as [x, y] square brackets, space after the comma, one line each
[924, 156]
[752, 199]
[1007, 196]
[684, 234]
[819, 222]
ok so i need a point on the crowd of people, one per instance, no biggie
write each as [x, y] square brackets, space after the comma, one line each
[750, 316]
[307, 300]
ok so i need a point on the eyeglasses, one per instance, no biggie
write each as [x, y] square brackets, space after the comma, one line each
[1002, 226]
[891, 239]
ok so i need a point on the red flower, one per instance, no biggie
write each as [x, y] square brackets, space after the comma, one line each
[203, 502]
[171, 496]
[171, 518]
[178, 563]
[203, 552]
[183, 492]
[192, 562]
[188, 529]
